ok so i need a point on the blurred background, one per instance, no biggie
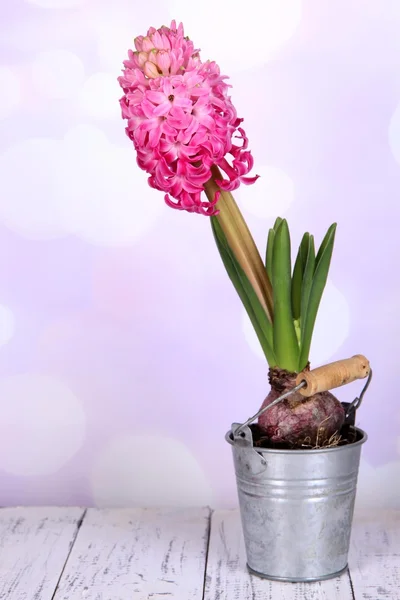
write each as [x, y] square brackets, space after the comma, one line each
[125, 353]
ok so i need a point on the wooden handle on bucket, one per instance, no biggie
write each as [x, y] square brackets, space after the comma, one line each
[333, 375]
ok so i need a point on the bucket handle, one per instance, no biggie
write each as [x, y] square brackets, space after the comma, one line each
[352, 407]
[321, 379]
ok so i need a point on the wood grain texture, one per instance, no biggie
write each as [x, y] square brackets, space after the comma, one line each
[333, 375]
[374, 558]
[149, 554]
[227, 577]
[34, 546]
[138, 554]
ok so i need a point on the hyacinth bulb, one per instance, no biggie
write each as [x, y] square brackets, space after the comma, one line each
[298, 421]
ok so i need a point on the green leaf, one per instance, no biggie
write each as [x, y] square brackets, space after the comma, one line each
[254, 309]
[270, 247]
[285, 340]
[303, 249]
[268, 257]
[298, 272]
[296, 287]
[322, 264]
[325, 242]
[308, 275]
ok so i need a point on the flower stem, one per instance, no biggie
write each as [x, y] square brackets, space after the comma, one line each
[241, 242]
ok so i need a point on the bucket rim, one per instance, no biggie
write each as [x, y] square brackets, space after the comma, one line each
[228, 438]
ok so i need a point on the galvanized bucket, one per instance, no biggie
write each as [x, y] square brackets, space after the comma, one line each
[296, 507]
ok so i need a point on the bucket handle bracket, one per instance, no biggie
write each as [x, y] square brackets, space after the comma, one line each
[242, 436]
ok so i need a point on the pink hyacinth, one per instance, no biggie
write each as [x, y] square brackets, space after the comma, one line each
[181, 120]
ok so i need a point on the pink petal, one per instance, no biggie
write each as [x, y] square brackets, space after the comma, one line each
[182, 102]
[168, 129]
[163, 61]
[172, 204]
[179, 121]
[189, 186]
[157, 40]
[166, 42]
[163, 109]
[155, 97]
[199, 92]
[154, 136]
[138, 42]
[150, 70]
[147, 44]
[249, 180]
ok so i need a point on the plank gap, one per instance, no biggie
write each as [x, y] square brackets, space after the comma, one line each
[76, 533]
[208, 536]
[351, 584]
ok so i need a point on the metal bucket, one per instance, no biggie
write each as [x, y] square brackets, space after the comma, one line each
[296, 507]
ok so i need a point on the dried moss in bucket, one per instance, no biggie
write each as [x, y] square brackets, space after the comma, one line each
[347, 435]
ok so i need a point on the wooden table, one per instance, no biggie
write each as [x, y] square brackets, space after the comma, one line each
[184, 554]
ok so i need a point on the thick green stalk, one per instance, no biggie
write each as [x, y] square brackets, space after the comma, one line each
[285, 340]
[241, 243]
[257, 315]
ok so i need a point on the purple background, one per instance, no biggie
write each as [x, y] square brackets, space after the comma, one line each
[125, 353]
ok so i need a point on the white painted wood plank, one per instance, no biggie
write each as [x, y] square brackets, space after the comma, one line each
[227, 577]
[138, 554]
[375, 555]
[34, 546]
